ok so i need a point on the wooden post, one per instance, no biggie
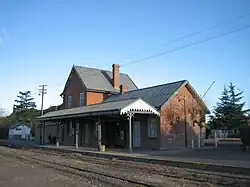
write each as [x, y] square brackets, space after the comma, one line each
[57, 134]
[215, 139]
[41, 125]
[199, 141]
[192, 143]
[77, 132]
[99, 134]
[43, 133]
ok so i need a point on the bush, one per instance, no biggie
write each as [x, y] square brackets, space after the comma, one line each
[4, 132]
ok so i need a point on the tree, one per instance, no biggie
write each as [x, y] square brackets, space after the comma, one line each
[229, 112]
[24, 101]
[25, 108]
[2, 112]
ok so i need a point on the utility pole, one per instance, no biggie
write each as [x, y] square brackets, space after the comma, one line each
[185, 115]
[42, 91]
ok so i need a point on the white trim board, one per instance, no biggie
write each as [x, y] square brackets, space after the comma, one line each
[139, 106]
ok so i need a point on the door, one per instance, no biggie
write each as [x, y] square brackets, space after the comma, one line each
[136, 134]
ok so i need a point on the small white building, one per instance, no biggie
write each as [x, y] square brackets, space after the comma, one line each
[19, 131]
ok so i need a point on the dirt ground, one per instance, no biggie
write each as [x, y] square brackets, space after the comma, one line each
[14, 173]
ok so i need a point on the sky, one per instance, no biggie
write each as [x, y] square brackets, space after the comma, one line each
[40, 41]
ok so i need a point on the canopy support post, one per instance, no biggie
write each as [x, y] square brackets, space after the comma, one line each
[77, 133]
[130, 114]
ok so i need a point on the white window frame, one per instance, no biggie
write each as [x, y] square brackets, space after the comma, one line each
[70, 101]
[81, 99]
[152, 127]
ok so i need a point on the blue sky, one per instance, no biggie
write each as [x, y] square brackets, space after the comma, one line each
[41, 40]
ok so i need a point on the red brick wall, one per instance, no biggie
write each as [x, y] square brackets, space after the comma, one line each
[172, 122]
[74, 88]
[93, 98]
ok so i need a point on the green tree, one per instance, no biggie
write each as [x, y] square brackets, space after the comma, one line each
[25, 108]
[229, 112]
[24, 101]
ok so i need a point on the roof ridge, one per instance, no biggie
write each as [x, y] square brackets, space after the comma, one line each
[139, 89]
[114, 101]
[98, 69]
[99, 103]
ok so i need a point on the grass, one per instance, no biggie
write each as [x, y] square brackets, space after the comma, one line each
[200, 163]
[231, 139]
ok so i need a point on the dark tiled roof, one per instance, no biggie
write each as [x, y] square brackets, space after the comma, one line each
[156, 95]
[53, 108]
[97, 79]
[100, 107]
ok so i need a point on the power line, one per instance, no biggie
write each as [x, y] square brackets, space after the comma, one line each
[182, 47]
[231, 21]
[186, 46]
[178, 39]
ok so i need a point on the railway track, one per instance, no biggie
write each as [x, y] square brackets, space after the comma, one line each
[104, 179]
[202, 178]
[223, 179]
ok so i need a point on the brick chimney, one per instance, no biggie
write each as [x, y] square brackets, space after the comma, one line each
[116, 74]
[123, 88]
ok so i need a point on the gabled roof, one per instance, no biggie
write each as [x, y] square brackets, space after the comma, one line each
[155, 95]
[116, 107]
[158, 95]
[17, 124]
[100, 80]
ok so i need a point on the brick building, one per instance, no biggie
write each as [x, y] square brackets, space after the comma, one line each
[106, 108]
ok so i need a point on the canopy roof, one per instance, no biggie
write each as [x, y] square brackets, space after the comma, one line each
[136, 105]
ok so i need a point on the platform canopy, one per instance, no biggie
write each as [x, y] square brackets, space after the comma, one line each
[120, 107]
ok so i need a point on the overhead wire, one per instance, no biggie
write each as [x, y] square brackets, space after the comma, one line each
[186, 46]
[183, 47]
[185, 37]
[227, 22]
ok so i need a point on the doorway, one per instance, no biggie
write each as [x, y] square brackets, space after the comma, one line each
[136, 134]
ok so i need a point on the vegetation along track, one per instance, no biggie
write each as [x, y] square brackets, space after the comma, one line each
[196, 176]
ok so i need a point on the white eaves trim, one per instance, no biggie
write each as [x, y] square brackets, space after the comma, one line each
[139, 106]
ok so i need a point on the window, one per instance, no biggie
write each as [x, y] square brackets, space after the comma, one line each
[152, 127]
[81, 102]
[18, 129]
[69, 101]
